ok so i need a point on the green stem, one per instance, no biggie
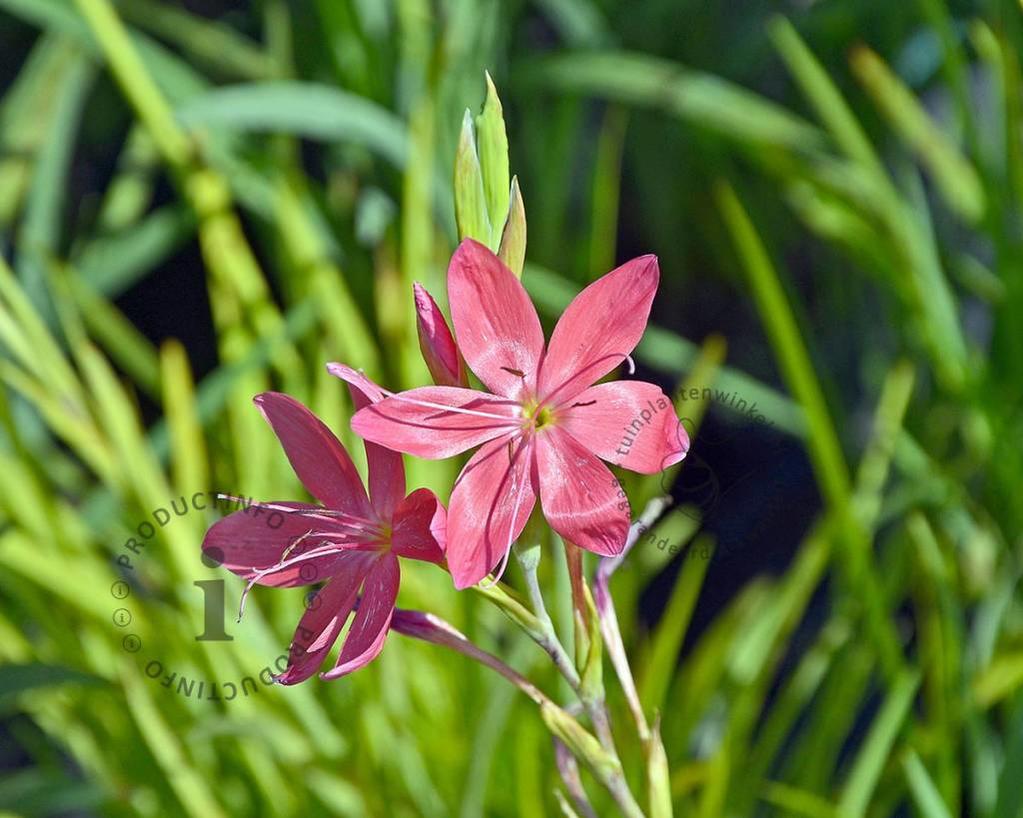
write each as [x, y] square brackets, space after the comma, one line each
[606, 767]
[237, 277]
[135, 81]
[549, 637]
[538, 624]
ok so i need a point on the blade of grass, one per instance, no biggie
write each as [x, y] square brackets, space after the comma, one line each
[218, 46]
[301, 109]
[824, 448]
[825, 97]
[658, 667]
[187, 782]
[187, 445]
[797, 802]
[705, 100]
[128, 196]
[878, 746]
[236, 272]
[953, 174]
[111, 264]
[108, 325]
[925, 794]
[40, 231]
[26, 117]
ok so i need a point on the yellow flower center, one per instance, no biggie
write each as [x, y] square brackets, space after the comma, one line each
[536, 415]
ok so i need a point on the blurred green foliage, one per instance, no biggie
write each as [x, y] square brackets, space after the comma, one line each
[839, 187]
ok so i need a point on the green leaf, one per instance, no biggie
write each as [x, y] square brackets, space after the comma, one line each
[580, 22]
[470, 198]
[659, 668]
[877, 747]
[33, 791]
[703, 99]
[217, 45]
[41, 228]
[925, 794]
[27, 116]
[824, 96]
[113, 263]
[119, 336]
[955, 177]
[17, 679]
[790, 349]
[301, 109]
[513, 240]
[492, 144]
[796, 802]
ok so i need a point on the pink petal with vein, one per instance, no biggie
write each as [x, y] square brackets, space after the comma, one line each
[323, 620]
[316, 455]
[599, 328]
[490, 505]
[628, 423]
[581, 499]
[496, 324]
[254, 539]
[369, 629]
[420, 527]
[436, 421]
[386, 468]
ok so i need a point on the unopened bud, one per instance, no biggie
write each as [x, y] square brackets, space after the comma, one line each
[436, 342]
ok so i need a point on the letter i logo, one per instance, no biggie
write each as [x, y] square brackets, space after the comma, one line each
[213, 602]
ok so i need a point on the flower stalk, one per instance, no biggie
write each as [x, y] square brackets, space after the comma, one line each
[586, 682]
[529, 560]
[562, 725]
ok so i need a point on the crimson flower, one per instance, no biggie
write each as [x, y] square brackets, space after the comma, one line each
[353, 540]
[544, 427]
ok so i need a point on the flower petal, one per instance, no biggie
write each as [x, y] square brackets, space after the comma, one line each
[386, 468]
[254, 539]
[496, 324]
[599, 329]
[325, 616]
[420, 527]
[580, 497]
[628, 423]
[436, 421]
[316, 455]
[369, 629]
[490, 504]
[373, 391]
[435, 341]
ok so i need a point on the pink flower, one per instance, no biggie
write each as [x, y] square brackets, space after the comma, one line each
[544, 427]
[353, 540]
[438, 347]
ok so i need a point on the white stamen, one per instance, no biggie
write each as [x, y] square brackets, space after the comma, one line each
[458, 409]
[352, 521]
[323, 551]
